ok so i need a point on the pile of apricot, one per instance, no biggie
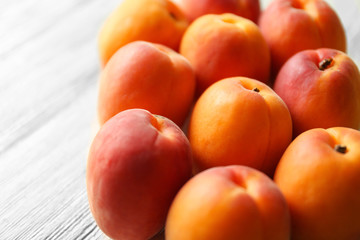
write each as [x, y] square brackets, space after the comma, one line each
[219, 120]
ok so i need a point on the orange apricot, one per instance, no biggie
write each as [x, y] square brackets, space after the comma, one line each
[319, 175]
[226, 45]
[239, 121]
[229, 203]
[158, 21]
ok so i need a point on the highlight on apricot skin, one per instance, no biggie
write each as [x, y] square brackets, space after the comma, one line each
[226, 19]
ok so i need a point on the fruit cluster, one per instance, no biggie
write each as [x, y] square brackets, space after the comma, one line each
[221, 121]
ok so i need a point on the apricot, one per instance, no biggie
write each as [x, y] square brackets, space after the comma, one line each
[136, 164]
[233, 202]
[290, 26]
[249, 9]
[319, 175]
[226, 45]
[321, 89]
[158, 21]
[149, 76]
[239, 121]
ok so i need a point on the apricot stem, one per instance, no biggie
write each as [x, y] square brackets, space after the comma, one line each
[340, 148]
[324, 64]
[256, 89]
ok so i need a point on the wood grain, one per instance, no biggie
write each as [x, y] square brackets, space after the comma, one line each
[48, 86]
[49, 72]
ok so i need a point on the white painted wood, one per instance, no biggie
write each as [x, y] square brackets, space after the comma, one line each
[48, 87]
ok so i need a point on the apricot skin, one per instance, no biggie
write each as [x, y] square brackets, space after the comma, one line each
[291, 26]
[136, 164]
[321, 185]
[157, 21]
[226, 45]
[233, 124]
[148, 76]
[249, 9]
[233, 202]
[320, 98]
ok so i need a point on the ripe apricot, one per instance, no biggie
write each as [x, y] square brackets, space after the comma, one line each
[321, 89]
[149, 76]
[319, 175]
[226, 45]
[137, 162]
[229, 203]
[239, 121]
[291, 26]
[158, 21]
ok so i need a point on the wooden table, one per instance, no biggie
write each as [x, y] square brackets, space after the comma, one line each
[48, 87]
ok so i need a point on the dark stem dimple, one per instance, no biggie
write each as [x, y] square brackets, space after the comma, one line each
[340, 148]
[326, 63]
[256, 89]
[173, 15]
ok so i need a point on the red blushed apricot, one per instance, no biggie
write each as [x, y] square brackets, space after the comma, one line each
[321, 89]
[290, 26]
[149, 76]
[136, 164]
[249, 9]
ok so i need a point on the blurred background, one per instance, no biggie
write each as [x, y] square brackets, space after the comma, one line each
[49, 70]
